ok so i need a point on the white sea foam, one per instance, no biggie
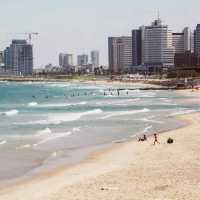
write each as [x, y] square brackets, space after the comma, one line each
[51, 105]
[11, 113]
[53, 136]
[67, 117]
[150, 120]
[60, 85]
[121, 113]
[3, 142]
[147, 129]
[54, 154]
[43, 133]
[26, 146]
[76, 129]
[182, 112]
[32, 104]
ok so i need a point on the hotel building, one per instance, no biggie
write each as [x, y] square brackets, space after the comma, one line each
[120, 53]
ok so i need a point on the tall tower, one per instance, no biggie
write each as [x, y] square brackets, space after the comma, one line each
[82, 60]
[18, 58]
[197, 39]
[120, 53]
[95, 58]
[158, 48]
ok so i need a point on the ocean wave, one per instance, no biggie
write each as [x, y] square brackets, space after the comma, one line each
[60, 118]
[121, 113]
[150, 120]
[60, 85]
[26, 146]
[53, 136]
[32, 104]
[43, 133]
[124, 102]
[147, 129]
[55, 105]
[182, 112]
[76, 129]
[10, 113]
[3, 142]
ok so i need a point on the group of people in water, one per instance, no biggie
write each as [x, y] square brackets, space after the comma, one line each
[106, 93]
[145, 139]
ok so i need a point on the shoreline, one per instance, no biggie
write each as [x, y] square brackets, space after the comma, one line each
[93, 152]
[149, 83]
[76, 172]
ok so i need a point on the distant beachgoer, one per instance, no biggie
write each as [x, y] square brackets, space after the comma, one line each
[145, 138]
[142, 139]
[127, 92]
[156, 139]
[118, 92]
[104, 93]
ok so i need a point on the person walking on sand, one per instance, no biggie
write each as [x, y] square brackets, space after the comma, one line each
[155, 139]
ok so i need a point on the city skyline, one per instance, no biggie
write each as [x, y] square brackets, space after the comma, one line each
[78, 27]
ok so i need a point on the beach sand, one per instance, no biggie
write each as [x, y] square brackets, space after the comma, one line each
[126, 171]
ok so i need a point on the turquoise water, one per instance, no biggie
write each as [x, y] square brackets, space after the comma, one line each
[46, 124]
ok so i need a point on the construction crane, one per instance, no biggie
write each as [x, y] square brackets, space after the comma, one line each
[28, 34]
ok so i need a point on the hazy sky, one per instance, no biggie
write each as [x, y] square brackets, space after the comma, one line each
[79, 26]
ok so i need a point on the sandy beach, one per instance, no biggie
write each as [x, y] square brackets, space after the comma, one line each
[129, 170]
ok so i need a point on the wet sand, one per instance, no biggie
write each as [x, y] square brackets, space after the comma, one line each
[128, 171]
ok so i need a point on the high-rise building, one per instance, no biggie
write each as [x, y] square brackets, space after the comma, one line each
[95, 58]
[82, 60]
[158, 48]
[65, 60]
[136, 47]
[187, 39]
[120, 53]
[183, 41]
[197, 39]
[18, 58]
[1, 58]
[178, 42]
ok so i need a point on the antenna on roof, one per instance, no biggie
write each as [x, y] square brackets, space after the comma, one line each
[158, 14]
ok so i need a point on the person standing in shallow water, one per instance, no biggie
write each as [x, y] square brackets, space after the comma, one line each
[155, 139]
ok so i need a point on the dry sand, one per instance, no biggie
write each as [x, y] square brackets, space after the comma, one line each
[127, 171]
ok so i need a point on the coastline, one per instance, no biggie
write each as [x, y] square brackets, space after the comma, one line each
[147, 83]
[114, 174]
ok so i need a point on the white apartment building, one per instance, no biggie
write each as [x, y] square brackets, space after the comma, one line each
[95, 58]
[120, 53]
[158, 47]
[65, 60]
[183, 41]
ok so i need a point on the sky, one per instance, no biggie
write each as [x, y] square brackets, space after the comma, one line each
[79, 26]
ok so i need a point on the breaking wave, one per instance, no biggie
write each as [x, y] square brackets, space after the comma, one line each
[10, 113]
[121, 113]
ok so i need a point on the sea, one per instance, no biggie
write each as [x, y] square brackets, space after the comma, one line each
[46, 125]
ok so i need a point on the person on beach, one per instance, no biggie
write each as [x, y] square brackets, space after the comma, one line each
[155, 139]
[142, 139]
